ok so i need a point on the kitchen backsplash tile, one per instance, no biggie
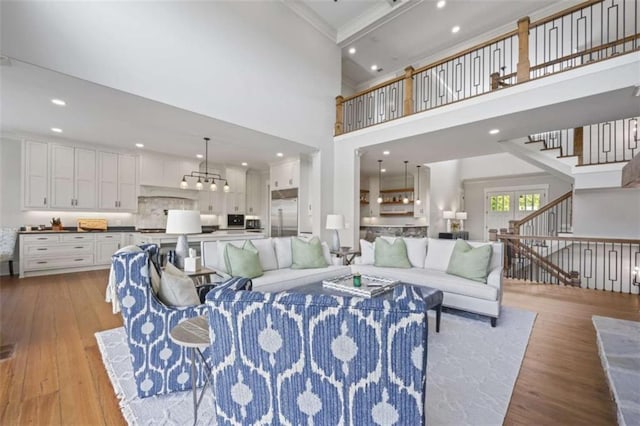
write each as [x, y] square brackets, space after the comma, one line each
[151, 210]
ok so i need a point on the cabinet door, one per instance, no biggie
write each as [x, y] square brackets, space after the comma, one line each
[85, 178]
[293, 178]
[278, 176]
[151, 170]
[36, 174]
[104, 250]
[108, 180]
[62, 179]
[127, 196]
[204, 201]
[241, 202]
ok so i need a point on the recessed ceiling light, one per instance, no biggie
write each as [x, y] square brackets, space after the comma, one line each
[455, 29]
[374, 67]
[280, 154]
[244, 163]
[140, 145]
[494, 131]
[385, 153]
[352, 51]
[383, 170]
[199, 156]
[56, 130]
[441, 4]
[58, 102]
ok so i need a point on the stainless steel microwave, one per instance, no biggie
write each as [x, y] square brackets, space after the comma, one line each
[235, 220]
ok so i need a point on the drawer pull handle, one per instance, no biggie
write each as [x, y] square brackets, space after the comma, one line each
[41, 262]
[43, 249]
[43, 238]
[78, 260]
[79, 247]
[78, 238]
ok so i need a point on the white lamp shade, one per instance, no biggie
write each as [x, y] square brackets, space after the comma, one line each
[183, 222]
[335, 221]
[461, 215]
[448, 214]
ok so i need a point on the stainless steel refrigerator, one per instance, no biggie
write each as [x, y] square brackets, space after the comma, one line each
[284, 213]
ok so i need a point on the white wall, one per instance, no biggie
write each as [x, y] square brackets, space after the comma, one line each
[494, 165]
[445, 193]
[254, 64]
[474, 191]
[607, 213]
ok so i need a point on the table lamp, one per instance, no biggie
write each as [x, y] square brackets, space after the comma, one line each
[183, 222]
[448, 214]
[335, 222]
[461, 216]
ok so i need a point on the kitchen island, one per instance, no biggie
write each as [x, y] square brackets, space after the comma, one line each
[56, 252]
[370, 232]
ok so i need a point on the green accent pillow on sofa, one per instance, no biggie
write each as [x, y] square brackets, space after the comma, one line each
[243, 262]
[391, 255]
[307, 254]
[470, 262]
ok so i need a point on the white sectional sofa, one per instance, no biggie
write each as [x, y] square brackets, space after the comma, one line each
[275, 259]
[459, 293]
[429, 259]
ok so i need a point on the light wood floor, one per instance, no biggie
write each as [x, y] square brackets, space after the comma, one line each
[56, 376]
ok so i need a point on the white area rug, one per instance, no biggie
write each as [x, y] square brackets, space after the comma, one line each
[472, 369]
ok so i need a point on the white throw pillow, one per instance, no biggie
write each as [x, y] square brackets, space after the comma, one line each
[283, 252]
[326, 252]
[416, 251]
[222, 265]
[266, 253]
[439, 254]
[367, 256]
[177, 289]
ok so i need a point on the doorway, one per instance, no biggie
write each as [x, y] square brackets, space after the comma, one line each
[514, 203]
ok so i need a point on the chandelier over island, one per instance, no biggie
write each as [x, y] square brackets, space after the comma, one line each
[205, 177]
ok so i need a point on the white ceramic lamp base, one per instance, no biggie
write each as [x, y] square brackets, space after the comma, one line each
[182, 250]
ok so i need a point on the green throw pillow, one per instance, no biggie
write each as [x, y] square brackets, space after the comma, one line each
[470, 262]
[391, 255]
[307, 254]
[242, 262]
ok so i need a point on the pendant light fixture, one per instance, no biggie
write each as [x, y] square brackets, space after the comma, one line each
[205, 177]
[418, 192]
[405, 200]
[379, 200]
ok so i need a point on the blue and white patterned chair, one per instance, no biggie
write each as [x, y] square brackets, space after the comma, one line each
[159, 365]
[291, 358]
[8, 245]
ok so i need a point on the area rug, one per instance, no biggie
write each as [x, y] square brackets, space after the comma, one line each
[472, 369]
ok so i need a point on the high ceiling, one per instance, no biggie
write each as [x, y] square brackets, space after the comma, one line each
[101, 115]
[393, 35]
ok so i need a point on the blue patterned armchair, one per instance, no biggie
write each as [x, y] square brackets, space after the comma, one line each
[291, 358]
[159, 365]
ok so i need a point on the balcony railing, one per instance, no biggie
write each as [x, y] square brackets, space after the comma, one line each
[584, 34]
[609, 142]
[593, 263]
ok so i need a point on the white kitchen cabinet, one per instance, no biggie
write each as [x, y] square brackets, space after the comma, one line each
[51, 253]
[106, 246]
[211, 202]
[235, 199]
[36, 174]
[285, 175]
[158, 170]
[117, 182]
[255, 194]
[73, 177]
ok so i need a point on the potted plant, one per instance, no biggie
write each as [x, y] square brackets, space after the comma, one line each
[56, 224]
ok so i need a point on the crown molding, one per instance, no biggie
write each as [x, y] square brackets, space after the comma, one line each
[306, 13]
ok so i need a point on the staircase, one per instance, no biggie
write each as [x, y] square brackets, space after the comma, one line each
[541, 248]
[592, 156]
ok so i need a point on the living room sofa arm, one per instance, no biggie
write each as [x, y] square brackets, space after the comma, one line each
[494, 279]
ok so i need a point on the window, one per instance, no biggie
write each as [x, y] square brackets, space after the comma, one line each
[500, 203]
[529, 202]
